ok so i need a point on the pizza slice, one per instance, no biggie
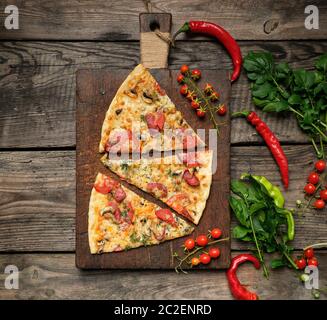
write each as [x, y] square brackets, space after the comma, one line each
[181, 181]
[141, 117]
[119, 219]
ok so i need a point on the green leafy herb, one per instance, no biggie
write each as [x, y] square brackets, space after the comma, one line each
[260, 222]
[278, 88]
[134, 238]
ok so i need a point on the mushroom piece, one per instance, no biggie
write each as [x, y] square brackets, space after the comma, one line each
[147, 98]
[131, 93]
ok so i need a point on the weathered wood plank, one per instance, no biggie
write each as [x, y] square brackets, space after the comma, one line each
[37, 85]
[54, 276]
[118, 20]
[37, 201]
[37, 196]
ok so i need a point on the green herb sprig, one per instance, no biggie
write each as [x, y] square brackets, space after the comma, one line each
[260, 222]
[278, 88]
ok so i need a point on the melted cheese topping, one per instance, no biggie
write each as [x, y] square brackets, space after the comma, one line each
[139, 95]
[106, 235]
[169, 171]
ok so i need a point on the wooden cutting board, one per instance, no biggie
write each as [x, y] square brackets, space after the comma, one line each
[95, 90]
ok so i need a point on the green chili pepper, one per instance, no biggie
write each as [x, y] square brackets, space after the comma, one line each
[290, 224]
[273, 191]
[278, 198]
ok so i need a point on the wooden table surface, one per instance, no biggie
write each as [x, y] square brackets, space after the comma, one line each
[38, 64]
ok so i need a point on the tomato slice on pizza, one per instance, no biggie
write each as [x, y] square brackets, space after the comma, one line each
[119, 219]
[141, 117]
[181, 181]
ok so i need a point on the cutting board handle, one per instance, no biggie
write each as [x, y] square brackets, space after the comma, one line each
[154, 50]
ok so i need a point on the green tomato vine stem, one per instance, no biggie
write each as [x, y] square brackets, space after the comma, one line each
[207, 104]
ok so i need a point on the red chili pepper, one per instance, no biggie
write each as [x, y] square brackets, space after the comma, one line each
[238, 290]
[271, 141]
[221, 35]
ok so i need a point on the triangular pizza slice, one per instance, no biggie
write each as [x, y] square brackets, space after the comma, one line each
[141, 118]
[182, 181]
[119, 219]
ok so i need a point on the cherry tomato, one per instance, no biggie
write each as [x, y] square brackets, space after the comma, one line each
[200, 113]
[313, 262]
[309, 253]
[320, 165]
[319, 204]
[208, 89]
[189, 244]
[214, 96]
[202, 240]
[195, 104]
[214, 252]
[215, 233]
[323, 194]
[205, 258]
[184, 68]
[183, 90]
[301, 263]
[196, 74]
[309, 188]
[222, 110]
[195, 261]
[180, 78]
[313, 178]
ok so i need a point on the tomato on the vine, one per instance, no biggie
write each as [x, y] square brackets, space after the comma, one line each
[313, 178]
[195, 104]
[196, 74]
[184, 69]
[195, 261]
[319, 204]
[208, 89]
[183, 90]
[214, 252]
[313, 262]
[189, 243]
[214, 96]
[180, 78]
[200, 113]
[323, 194]
[301, 263]
[205, 258]
[320, 165]
[222, 110]
[309, 188]
[215, 233]
[202, 240]
[309, 253]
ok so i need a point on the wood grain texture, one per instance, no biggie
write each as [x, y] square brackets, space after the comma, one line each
[37, 201]
[54, 276]
[37, 85]
[154, 50]
[94, 91]
[37, 196]
[118, 20]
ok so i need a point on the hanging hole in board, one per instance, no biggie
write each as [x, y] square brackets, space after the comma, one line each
[154, 25]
